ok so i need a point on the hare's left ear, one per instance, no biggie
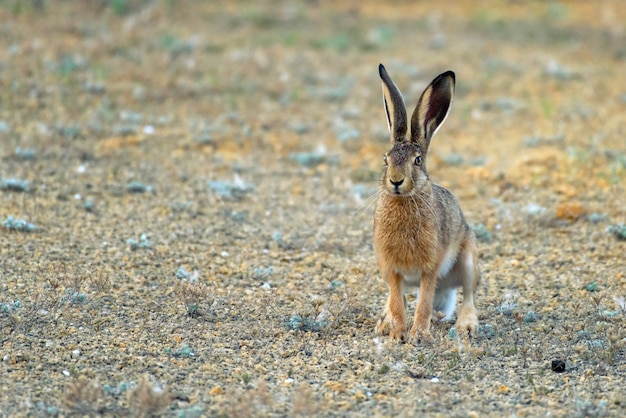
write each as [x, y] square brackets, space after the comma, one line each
[394, 107]
[432, 109]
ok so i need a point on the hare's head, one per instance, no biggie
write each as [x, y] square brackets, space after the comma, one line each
[405, 163]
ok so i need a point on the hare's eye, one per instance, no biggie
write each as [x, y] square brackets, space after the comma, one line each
[385, 159]
[418, 160]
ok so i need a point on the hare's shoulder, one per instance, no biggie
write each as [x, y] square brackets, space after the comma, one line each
[451, 218]
[444, 195]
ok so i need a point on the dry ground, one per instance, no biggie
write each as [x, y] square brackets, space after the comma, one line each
[199, 183]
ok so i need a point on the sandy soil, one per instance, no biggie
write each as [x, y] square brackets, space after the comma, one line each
[197, 182]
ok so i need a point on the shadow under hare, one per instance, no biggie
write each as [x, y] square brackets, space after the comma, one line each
[420, 235]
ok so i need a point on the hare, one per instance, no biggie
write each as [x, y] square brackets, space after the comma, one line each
[420, 235]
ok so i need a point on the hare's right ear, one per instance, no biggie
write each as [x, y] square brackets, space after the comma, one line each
[432, 109]
[394, 107]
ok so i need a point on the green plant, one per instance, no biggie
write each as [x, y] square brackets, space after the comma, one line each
[120, 7]
[194, 296]
[384, 369]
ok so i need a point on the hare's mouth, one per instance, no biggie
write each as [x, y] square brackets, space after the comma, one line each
[397, 191]
[398, 188]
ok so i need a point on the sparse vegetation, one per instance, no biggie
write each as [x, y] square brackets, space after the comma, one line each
[197, 297]
[148, 399]
[83, 396]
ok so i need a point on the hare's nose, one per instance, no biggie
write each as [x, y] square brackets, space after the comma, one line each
[396, 184]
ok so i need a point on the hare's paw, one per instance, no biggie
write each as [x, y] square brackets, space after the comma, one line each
[395, 328]
[420, 334]
[467, 321]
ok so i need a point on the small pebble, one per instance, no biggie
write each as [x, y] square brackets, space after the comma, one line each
[182, 273]
[277, 236]
[25, 153]
[558, 366]
[18, 225]
[610, 314]
[530, 317]
[619, 231]
[507, 308]
[452, 334]
[216, 391]
[488, 330]
[335, 284]
[15, 185]
[596, 344]
[481, 232]
[136, 187]
[534, 209]
[262, 273]
[237, 189]
[142, 243]
[88, 205]
[596, 217]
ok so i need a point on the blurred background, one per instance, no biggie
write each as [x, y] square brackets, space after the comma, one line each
[243, 106]
[540, 83]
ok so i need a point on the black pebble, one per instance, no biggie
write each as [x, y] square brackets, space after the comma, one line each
[558, 366]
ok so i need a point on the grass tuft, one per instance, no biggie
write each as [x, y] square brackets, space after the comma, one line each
[149, 399]
[83, 396]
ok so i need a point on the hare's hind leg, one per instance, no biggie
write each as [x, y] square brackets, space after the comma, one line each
[469, 273]
[445, 302]
[392, 320]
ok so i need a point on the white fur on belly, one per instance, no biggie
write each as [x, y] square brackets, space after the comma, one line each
[445, 298]
[445, 302]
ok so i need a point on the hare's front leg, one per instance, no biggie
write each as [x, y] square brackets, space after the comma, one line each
[424, 308]
[392, 320]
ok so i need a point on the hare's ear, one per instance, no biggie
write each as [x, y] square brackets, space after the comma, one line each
[394, 107]
[432, 109]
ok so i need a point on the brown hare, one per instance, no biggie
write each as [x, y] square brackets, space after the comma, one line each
[420, 235]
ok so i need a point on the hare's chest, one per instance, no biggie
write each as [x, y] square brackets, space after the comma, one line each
[407, 245]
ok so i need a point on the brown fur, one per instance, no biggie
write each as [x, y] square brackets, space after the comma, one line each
[420, 234]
